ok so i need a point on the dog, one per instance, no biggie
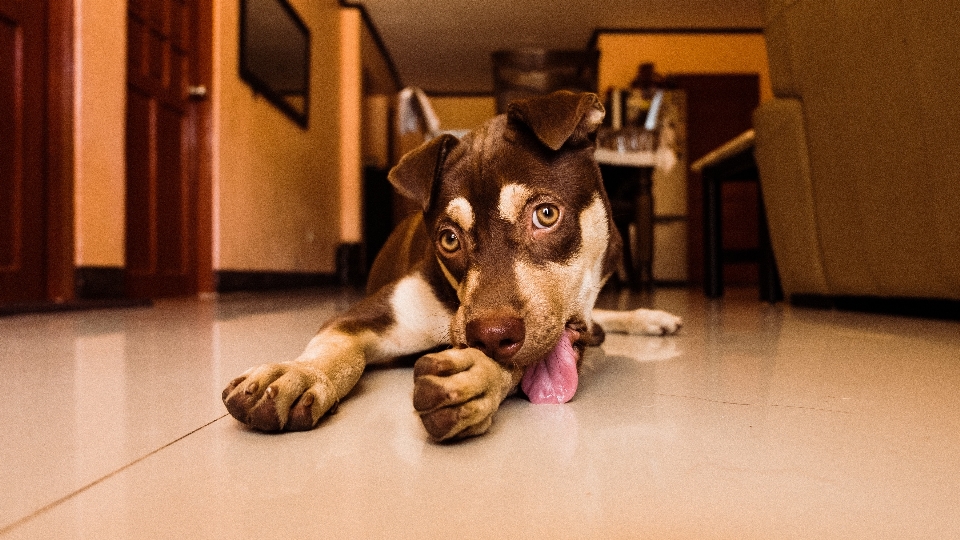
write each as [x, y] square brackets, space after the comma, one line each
[493, 283]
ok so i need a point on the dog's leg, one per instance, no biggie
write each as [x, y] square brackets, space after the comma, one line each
[400, 319]
[457, 391]
[647, 322]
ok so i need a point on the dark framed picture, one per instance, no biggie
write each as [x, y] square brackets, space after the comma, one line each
[275, 55]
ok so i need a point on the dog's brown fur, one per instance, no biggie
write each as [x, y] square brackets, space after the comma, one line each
[505, 262]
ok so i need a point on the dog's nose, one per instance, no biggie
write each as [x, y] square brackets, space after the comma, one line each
[498, 337]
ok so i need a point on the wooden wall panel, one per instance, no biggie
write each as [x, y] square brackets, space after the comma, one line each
[22, 168]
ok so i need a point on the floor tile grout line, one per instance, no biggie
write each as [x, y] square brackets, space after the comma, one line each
[721, 402]
[717, 401]
[36, 513]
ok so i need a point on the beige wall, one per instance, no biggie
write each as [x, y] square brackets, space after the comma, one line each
[463, 112]
[351, 119]
[621, 54]
[101, 43]
[277, 197]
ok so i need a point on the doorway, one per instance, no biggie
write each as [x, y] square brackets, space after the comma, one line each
[168, 194]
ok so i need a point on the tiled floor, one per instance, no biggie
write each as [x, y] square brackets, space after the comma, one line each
[753, 422]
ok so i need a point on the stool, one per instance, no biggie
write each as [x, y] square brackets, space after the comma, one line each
[733, 162]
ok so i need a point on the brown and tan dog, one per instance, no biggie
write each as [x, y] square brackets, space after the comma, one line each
[499, 273]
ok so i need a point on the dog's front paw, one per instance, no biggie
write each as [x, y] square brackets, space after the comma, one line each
[457, 391]
[275, 397]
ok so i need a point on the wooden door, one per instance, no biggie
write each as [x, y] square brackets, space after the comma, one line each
[22, 168]
[720, 107]
[163, 201]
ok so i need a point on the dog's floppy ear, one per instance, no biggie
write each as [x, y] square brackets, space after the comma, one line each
[417, 173]
[560, 117]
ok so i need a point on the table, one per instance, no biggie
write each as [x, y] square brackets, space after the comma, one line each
[627, 177]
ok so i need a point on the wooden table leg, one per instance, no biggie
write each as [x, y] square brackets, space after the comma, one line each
[644, 221]
[712, 236]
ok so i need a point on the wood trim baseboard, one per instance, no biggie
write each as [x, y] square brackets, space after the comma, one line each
[351, 270]
[240, 280]
[925, 308]
[98, 282]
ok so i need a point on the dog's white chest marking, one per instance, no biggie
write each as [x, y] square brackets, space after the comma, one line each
[461, 213]
[513, 198]
[420, 319]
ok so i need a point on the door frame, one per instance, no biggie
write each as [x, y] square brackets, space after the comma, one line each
[204, 153]
[59, 151]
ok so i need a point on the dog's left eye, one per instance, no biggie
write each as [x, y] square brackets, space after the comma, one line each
[449, 241]
[546, 216]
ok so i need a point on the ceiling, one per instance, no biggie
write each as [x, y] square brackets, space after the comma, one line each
[444, 47]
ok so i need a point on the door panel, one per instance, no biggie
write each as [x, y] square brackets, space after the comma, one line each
[22, 172]
[162, 173]
[140, 211]
[720, 107]
[172, 256]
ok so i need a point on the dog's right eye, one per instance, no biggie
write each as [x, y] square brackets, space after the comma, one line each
[545, 216]
[449, 241]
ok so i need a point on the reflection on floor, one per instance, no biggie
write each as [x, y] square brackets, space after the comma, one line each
[756, 421]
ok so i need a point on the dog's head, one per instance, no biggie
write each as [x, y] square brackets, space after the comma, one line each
[521, 227]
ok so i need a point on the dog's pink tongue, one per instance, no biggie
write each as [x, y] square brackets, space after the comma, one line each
[553, 379]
